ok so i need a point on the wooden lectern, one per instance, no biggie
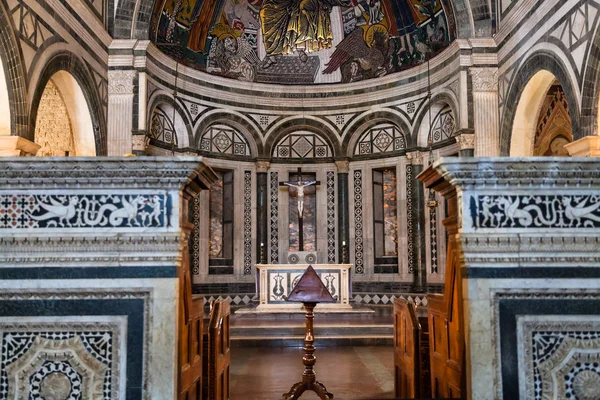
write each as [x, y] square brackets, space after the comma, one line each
[309, 290]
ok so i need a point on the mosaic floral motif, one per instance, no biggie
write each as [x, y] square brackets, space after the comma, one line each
[221, 139]
[358, 224]
[385, 138]
[331, 217]
[247, 222]
[379, 36]
[574, 211]
[83, 211]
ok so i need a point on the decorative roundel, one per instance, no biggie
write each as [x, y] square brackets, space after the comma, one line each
[56, 379]
[310, 258]
[293, 258]
[586, 385]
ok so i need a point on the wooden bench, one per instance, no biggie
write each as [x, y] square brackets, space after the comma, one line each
[217, 350]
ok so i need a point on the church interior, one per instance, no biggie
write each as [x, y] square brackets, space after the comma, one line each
[197, 194]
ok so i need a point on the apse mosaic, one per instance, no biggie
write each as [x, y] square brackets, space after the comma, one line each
[298, 41]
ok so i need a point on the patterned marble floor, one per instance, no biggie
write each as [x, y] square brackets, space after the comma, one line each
[350, 373]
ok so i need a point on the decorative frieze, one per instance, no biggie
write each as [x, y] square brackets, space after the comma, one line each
[331, 217]
[535, 211]
[410, 241]
[76, 211]
[247, 222]
[274, 197]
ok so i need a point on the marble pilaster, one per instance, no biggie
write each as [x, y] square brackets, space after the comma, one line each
[485, 111]
[120, 106]
[417, 262]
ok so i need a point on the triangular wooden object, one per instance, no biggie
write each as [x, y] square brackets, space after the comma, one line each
[310, 289]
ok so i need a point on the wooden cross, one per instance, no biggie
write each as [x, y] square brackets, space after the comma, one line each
[300, 185]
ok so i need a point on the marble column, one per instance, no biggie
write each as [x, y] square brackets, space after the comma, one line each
[120, 111]
[262, 211]
[466, 143]
[417, 260]
[588, 146]
[343, 211]
[485, 111]
[16, 146]
[139, 134]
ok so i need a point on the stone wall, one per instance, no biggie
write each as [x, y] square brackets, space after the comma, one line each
[53, 126]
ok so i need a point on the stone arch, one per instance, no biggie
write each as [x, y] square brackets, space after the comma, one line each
[539, 61]
[590, 95]
[463, 18]
[302, 124]
[179, 109]
[368, 120]
[242, 125]
[132, 19]
[422, 120]
[15, 76]
[70, 63]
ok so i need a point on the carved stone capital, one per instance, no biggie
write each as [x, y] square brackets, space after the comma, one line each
[263, 166]
[415, 158]
[484, 79]
[121, 81]
[466, 141]
[139, 142]
[343, 166]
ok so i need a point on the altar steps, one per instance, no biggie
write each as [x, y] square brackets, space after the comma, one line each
[362, 328]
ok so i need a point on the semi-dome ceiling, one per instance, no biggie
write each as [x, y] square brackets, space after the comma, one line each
[302, 41]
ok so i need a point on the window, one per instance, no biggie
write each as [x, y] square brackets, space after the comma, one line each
[221, 224]
[385, 221]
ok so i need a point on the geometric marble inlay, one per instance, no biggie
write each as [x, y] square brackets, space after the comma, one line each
[559, 357]
[60, 360]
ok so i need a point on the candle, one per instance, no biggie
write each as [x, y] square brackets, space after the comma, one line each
[343, 242]
[261, 244]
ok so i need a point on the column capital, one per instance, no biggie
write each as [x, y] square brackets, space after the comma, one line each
[139, 141]
[263, 166]
[343, 166]
[415, 158]
[484, 79]
[121, 81]
[16, 146]
[466, 141]
[588, 146]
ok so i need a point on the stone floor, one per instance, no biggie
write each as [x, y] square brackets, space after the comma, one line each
[350, 373]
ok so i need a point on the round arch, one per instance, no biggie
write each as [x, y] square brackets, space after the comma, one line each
[13, 68]
[550, 63]
[368, 120]
[302, 124]
[88, 96]
[179, 110]
[235, 121]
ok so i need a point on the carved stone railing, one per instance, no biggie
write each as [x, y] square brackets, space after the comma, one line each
[92, 260]
[529, 231]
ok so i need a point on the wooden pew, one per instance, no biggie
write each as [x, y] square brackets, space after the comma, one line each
[411, 352]
[446, 329]
[190, 351]
[217, 350]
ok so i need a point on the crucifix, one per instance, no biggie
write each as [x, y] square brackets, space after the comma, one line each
[300, 185]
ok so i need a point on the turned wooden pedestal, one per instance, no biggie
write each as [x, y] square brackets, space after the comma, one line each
[309, 379]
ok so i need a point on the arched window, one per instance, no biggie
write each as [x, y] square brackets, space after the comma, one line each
[302, 144]
[383, 138]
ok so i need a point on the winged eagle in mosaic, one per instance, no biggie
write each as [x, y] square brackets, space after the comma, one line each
[360, 55]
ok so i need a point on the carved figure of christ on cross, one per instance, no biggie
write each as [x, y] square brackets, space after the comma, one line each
[300, 185]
